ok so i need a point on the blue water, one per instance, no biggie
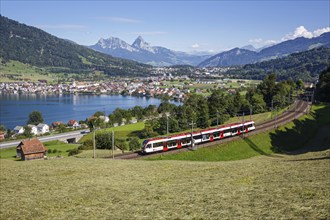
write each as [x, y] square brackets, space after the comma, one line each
[15, 108]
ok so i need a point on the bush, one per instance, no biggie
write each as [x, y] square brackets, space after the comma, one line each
[87, 145]
[74, 152]
[134, 144]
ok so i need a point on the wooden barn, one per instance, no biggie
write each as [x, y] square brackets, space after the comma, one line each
[30, 149]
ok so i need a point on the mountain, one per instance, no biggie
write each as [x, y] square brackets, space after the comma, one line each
[238, 56]
[249, 47]
[142, 51]
[304, 65]
[33, 46]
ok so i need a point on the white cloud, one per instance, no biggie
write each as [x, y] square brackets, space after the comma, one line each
[301, 31]
[195, 46]
[318, 32]
[61, 26]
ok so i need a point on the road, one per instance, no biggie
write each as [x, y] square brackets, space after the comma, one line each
[66, 135]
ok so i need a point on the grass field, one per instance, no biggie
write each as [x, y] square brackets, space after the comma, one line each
[287, 187]
[268, 186]
[61, 150]
[120, 131]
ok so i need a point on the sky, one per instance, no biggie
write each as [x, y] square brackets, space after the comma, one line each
[189, 26]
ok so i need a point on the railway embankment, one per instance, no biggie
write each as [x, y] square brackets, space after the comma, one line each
[307, 133]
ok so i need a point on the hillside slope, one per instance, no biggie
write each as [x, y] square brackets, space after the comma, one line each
[33, 46]
[305, 65]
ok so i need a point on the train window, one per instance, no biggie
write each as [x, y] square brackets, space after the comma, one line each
[226, 131]
[206, 136]
[159, 144]
[186, 141]
[216, 134]
[197, 137]
[171, 144]
[148, 146]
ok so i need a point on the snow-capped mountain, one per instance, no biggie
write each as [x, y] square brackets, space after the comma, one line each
[142, 51]
[115, 43]
[140, 44]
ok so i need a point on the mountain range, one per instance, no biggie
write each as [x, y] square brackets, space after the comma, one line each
[142, 51]
[241, 56]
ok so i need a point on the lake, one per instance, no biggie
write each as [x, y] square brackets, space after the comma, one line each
[15, 108]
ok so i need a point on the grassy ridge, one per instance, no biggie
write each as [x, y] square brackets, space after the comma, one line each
[292, 136]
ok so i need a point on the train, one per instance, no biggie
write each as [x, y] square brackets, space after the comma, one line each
[184, 140]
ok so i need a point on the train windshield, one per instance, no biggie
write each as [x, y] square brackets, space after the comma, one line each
[144, 143]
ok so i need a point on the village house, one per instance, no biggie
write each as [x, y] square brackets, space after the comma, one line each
[43, 128]
[34, 129]
[19, 130]
[73, 124]
[30, 149]
[56, 124]
[104, 118]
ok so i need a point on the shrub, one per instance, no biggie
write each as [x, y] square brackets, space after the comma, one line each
[74, 152]
[87, 145]
[134, 144]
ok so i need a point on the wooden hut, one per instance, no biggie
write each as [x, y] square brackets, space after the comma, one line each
[31, 149]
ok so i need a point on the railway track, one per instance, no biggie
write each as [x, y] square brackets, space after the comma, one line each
[300, 107]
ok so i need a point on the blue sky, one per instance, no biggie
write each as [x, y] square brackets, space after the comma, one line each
[178, 25]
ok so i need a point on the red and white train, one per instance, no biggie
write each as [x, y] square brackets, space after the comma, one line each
[184, 140]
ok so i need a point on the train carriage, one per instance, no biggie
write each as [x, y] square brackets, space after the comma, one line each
[198, 137]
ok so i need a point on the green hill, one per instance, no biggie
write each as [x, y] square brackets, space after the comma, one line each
[30, 45]
[305, 65]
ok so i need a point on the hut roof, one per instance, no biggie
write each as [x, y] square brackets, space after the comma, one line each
[31, 146]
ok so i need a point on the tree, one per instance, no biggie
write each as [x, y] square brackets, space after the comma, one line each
[300, 84]
[134, 144]
[323, 86]
[199, 110]
[121, 144]
[27, 132]
[218, 104]
[62, 128]
[103, 140]
[98, 114]
[2, 128]
[137, 111]
[35, 118]
[267, 88]
[258, 104]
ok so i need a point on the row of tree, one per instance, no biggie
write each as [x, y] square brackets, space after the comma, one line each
[219, 106]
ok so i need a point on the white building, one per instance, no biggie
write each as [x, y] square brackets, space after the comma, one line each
[34, 129]
[42, 128]
[104, 118]
[19, 130]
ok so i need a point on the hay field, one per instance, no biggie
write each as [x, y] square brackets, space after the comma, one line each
[266, 187]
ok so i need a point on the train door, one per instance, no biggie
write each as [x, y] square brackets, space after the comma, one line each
[211, 137]
[165, 148]
[221, 134]
[179, 144]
